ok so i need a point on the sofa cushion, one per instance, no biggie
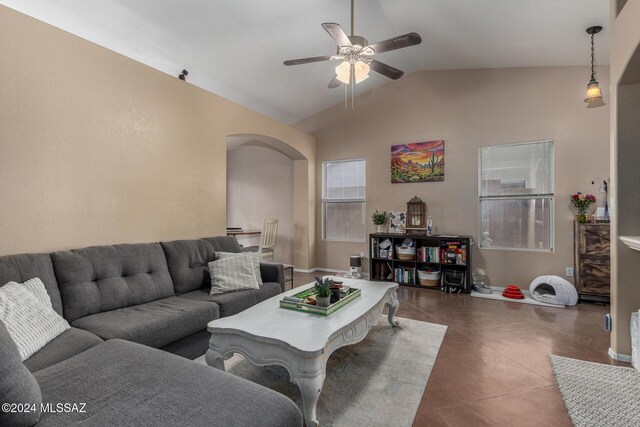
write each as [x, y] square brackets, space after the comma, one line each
[224, 243]
[17, 384]
[231, 303]
[155, 323]
[103, 278]
[71, 342]
[20, 268]
[187, 262]
[191, 347]
[268, 290]
[123, 383]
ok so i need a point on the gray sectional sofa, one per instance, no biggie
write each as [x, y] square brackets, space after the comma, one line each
[134, 309]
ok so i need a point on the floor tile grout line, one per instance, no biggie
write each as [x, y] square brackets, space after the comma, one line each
[497, 396]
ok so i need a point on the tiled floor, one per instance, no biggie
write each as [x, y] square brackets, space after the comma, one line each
[493, 367]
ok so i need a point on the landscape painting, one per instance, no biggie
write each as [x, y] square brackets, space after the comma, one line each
[417, 162]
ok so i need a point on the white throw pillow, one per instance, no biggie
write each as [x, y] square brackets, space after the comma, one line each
[232, 274]
[255, 259]
[29, 317]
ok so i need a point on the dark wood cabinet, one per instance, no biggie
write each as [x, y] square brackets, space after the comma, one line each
[592, 260]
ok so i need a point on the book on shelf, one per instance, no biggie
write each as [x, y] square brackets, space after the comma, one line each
[404, 275]
[429, 254]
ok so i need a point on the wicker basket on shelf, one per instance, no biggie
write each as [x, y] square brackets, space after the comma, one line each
[429, 278]
[406, 253]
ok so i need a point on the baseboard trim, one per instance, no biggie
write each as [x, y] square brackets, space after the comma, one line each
[302, 270]
[617, 356]
[326, 270]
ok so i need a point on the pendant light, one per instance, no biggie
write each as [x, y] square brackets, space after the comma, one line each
[594, 93]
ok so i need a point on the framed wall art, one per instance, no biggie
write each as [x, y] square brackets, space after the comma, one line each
[417, 162]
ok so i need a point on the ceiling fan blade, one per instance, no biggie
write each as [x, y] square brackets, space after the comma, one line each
[334, 83]
[337, 33]
[386, 70]
[405, 40]
[308, 60]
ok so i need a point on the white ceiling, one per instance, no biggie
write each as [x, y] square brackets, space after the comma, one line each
[235, 48]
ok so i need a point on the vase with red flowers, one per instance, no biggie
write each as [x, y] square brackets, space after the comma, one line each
[582, 202]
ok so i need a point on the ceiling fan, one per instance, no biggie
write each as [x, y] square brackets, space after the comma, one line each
[356, 54]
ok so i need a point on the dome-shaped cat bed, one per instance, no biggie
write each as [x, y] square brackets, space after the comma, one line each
[553, 290]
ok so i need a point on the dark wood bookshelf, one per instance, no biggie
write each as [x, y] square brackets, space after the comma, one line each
[451, 257]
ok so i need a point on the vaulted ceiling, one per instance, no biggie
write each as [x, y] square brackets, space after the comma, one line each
[235, 48]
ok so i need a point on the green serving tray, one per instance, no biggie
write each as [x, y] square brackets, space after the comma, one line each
[322, 311]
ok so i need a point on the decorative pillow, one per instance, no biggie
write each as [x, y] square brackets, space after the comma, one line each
[37, 288]
[17, 384]
[26, 311]
[232, 274]
[255, 259]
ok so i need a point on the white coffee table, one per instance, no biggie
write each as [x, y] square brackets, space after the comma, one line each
[300, 342]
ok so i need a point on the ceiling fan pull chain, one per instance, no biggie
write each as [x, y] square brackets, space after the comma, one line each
[353, 88]
[346, 97]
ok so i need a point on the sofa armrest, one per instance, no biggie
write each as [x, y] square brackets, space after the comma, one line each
[272, 273]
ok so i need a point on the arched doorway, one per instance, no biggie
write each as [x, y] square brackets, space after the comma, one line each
[268, 178]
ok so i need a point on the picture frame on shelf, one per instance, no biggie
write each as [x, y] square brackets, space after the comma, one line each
[397, 222]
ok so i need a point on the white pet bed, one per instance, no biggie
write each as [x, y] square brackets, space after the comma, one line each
[553, 290]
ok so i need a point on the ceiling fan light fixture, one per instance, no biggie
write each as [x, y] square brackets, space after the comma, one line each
[361, 71]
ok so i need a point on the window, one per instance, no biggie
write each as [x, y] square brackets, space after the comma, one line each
[343, 197]
[515, 195]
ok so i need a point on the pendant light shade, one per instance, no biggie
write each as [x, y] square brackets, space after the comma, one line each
[594, 93]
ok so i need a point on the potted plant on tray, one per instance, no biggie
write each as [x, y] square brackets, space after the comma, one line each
[378, 220]
[323, 291]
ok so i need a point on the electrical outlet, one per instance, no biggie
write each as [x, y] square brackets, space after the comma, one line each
[568, 271]
[362, 255]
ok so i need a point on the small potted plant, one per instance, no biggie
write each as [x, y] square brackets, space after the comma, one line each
[323, 291]
[378, 220]
[582, 202]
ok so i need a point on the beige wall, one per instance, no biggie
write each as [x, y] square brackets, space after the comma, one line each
[625, 156]
[260, 186]
[96, 148]
[468, 109]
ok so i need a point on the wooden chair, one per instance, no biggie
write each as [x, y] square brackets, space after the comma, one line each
[268, 239]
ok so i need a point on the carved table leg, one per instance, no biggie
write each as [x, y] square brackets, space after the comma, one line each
[393, 305]
[310, 388]
[215, 359]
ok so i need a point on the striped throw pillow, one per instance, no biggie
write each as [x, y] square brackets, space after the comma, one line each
[232, 274]
[26, 312]
[255, 259]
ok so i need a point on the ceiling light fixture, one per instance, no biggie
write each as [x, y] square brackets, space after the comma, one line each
[594, 93]
[360, 68]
